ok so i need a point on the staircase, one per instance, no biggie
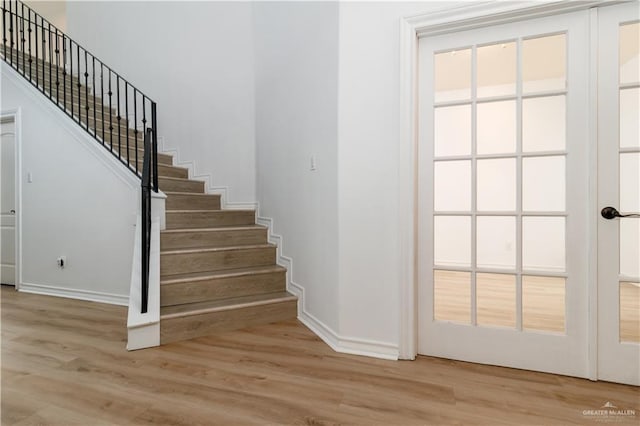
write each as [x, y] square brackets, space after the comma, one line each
[217, 270]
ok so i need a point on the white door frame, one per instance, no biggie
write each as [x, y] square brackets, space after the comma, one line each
[15, 116]
[446, 21]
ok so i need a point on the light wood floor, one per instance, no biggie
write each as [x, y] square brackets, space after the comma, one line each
[64, 363]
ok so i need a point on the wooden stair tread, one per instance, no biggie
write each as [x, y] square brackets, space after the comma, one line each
[215, 249]
[198, 308]
[178, 179]
[216, 229]
[210, 210]
[228, 273]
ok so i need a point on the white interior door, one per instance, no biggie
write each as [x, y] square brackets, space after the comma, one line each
[7, 203]
[619, 187]
[503, 195]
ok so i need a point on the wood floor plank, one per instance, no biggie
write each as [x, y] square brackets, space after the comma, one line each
[64, 363]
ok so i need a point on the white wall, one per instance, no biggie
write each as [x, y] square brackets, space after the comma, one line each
[76, 205]
[296, 60]
[53, 11]
[368, 134]
[195, 59]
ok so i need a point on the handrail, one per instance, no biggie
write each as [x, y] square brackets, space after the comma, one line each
[77, 82]
[125, 122]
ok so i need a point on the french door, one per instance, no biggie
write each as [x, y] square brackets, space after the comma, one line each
[619, 187]
[506, 228]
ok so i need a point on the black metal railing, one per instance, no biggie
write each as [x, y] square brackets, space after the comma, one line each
[113, 111]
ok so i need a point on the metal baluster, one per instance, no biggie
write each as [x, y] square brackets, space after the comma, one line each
[79, 86]
[102, 98]
[50, 60]
[36, 41]
[30, 56]
[16, 30]
[44, 55]
[126, 113]
[17, 35]
[64, 72]
[110, 114]
[135, 121]
[22, 39]
[93, 85]
[118, 117]
[71, 74]
[57, 69]
[154, 157]
[4, 35]
[86, 87]
[11, 31]
[4, 28]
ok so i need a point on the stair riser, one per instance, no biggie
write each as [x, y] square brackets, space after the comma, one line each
[176, 329]
[188, 220]
[218, 238]
[181, 263]
[169, 171]
[222, 288]
[192, 202]
[181, 185]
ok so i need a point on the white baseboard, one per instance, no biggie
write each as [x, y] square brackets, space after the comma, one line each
[342, 344]
[70, 293]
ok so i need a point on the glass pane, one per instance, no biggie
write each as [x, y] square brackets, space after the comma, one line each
[544, 63]
[497, 69]
[452, 75]
[496, 299]
[452, 296]
[453, 130]
[543, 247]
[543, 303]
[629, 53]
[496, 127]
[630, 312]
[497, 184]
[543, 183]
[629, 121]
[630, 247]
[496, 242]
[543, 124]
[452, 240]
[630, 182]
[452, 185]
